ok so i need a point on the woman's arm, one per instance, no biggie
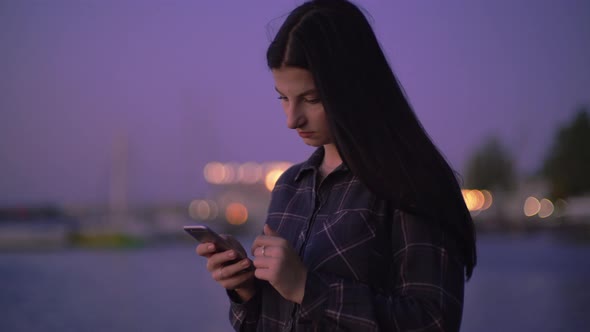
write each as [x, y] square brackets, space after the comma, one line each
[237, 278]
[243, 315]
[426, 289]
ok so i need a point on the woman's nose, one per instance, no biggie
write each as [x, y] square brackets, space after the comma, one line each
[295, 117]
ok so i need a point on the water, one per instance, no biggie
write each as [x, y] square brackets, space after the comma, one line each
[522, 283]
[529, 283]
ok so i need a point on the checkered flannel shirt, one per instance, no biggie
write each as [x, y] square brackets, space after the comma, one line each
[371, 266]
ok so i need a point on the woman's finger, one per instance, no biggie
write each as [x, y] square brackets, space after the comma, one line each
[217, 260]
[263, 274]
[237, 280]
[230, 271]
[264, 262]
[268, 251]
[217, 274]
[267, 240]
[235, 244]
[205, 249]
[260, 251]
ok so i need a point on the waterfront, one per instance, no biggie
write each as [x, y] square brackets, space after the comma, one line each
[524, 282]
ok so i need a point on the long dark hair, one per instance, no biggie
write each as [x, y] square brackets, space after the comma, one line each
[374, 127]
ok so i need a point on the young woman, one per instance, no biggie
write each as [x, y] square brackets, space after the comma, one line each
[371, 233]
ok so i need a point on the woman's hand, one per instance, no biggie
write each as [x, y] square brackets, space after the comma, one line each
[233, 277]
[277, 263]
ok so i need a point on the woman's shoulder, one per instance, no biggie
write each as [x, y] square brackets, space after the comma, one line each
[291, 174]
[287, 185]
[297, 171]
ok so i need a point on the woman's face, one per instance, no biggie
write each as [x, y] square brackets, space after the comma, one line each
[302, 106]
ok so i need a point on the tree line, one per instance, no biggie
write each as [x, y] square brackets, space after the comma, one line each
[566, 166]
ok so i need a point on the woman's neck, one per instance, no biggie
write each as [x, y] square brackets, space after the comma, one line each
[331, 160]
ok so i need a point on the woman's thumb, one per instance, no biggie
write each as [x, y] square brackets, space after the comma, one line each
[269, 231]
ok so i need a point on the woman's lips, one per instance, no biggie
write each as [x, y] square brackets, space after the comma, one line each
[305, 134]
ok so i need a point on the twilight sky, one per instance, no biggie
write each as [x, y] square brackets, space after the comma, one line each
[185, 83]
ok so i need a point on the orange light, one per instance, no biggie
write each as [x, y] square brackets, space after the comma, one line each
[474, 199]
[478, 198]
[236, 213]
[531, 206]
[271, 178]
[467, 198]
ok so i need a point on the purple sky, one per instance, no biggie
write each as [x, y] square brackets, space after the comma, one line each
[186, 83]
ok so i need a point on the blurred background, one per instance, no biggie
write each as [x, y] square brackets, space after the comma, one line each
[121, 121]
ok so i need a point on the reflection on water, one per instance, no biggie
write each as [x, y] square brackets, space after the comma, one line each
[522, 283]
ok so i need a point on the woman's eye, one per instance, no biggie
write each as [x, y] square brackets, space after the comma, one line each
[312, 101]
[283, 98]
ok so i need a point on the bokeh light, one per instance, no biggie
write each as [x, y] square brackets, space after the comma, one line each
[192, 209]
[271, 178]
[467, 198]
[214, 209]
[546, 208]
[479, 199]
[249, 173]
[231, 173]
[474, 199]
[236, 213]
[531, 206]
[488, 199]
[214, 172]
[202, 209]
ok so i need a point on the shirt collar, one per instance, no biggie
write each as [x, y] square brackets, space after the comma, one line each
[314, 162]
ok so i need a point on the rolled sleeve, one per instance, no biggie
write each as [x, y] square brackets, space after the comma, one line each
[244, 315]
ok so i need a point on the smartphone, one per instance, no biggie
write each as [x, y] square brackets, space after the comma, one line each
[205, 234]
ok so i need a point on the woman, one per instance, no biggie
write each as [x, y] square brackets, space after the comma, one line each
[371, 233]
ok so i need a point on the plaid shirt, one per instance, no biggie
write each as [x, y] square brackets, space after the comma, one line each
[371, 266]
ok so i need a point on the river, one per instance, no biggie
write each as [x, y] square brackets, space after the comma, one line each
[522, 283]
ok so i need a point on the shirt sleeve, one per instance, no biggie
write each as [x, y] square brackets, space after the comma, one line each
[243, 316]
[425, 291]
